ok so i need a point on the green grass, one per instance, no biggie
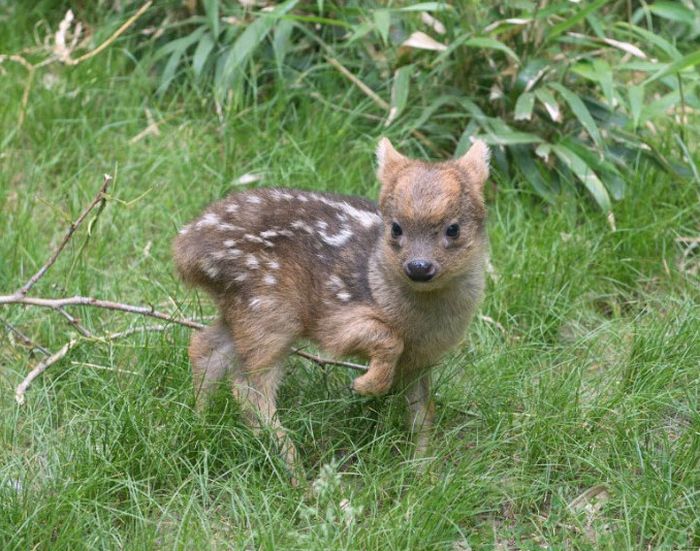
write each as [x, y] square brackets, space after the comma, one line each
[587, 375]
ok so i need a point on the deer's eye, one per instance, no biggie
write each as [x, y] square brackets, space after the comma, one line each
[396, 230]
[452, 231]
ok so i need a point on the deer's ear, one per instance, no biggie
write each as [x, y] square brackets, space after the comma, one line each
[476, 163]
[388, 159]
[389, 163]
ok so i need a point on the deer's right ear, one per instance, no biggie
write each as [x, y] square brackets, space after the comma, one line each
[388, 159]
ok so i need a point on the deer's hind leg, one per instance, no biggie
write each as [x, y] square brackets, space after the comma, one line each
[263, 342]
[212, 355]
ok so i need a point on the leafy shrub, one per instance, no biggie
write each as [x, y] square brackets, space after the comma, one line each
[565, 91]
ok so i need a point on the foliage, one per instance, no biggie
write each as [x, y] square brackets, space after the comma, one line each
[564, 90]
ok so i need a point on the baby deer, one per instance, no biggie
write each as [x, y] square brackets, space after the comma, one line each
[396, 282]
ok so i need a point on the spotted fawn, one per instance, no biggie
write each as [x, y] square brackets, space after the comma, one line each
[395, 282]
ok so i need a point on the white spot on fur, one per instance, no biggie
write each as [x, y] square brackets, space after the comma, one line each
[253, 199]
[278, 195]
[334, 282]
[268, 244]
[253, 238]
[229, 243]
[185, 229]
[344, 296]
[210, 266]
[228, 227]
[241, 277]
[321, 224]
[273, 265]
[303, 198]
[269, 279]
[301, 225]
[209, 219]
[268, 233]
[255, 303]
[252, 262]
[232, 208]
[286, 233]
[364, 217]
[234, 253]
[337, 239]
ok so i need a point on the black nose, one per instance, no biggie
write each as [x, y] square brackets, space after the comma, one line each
[420, 270]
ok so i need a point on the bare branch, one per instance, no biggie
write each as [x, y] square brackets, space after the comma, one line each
[99, 198]
[66, 348]
[80, 328]
[41, 367]
[58, 303]
[24, 339]
[324, 361]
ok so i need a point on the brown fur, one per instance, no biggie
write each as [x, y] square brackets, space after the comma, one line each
[285, 264]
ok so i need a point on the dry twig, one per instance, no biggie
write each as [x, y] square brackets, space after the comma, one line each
[41, 367]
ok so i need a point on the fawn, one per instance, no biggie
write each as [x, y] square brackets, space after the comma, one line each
[396, 283]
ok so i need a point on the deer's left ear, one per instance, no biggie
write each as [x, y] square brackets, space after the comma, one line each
[476, 163]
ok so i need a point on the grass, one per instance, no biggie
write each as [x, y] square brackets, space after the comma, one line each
[584, 371]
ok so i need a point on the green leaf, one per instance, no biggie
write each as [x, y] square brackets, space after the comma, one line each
[211, 9]
[550, 104]
[522, 156]
[580, 110]
[176, 49]
[677, 66]
[602, 166]
[524, 106]
[512, 137]
[249, 40]
[201, 54]
[651, 38]
[673, 11]
[280, 41]
[578, 16]
[603, 74]
[584, 173]
[493, 44]
[382, 20]
[399, 92]
[427, 6]
[180, 44]
[636, 99]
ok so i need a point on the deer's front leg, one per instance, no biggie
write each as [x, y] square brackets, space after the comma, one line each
[358, 330]
[421, 411]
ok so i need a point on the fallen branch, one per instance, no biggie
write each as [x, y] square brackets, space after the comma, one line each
[60, 304]
[324, 361]
[24, 339]
[41, 367]
[66, 348]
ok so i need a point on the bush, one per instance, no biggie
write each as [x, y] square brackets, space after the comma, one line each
[565, 91]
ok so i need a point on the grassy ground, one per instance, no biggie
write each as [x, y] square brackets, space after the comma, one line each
[583, 374]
